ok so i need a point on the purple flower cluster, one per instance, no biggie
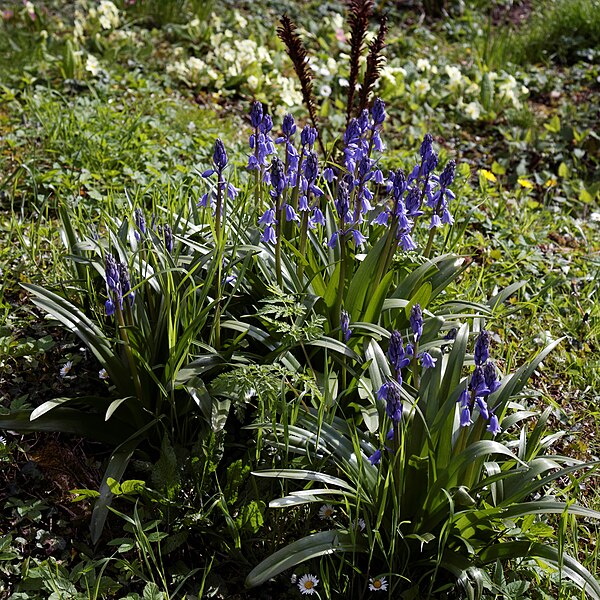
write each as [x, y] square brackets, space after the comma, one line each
[483, 382]
[219, 164]
[164, 232]
[357, 182]
[118, 284]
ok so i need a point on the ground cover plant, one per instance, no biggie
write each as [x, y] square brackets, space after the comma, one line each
[315, 304]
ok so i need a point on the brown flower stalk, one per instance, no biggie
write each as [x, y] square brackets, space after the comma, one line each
[358, 18]
[375, 61]
[287, 33]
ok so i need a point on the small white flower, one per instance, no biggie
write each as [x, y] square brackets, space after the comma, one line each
[422, 87]
[423, 65]
[92, 65]
[66, 368]
[360, 524]
[252, 82]
[2, 441]
[343, 82]
[294, 578]
[378, 584]
[326, 511]
[325, 91]
[103, 374]
[307, 584]
[472, 110]
[595, 216]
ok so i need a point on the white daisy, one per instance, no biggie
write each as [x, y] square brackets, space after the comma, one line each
[326, 511]
[378, 584]
[66, 368]
[308, 583]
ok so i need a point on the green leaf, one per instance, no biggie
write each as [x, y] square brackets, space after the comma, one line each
[152, 592]
[568, 566]
[309, 547]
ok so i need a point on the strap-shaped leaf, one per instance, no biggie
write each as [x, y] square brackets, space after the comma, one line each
[567, 565]
[311, 546]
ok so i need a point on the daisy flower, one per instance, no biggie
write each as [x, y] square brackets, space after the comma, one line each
[66, 368]
[326, 511]
[308, 583]
[377, 584]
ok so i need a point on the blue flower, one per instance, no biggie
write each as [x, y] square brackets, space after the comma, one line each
[491, 377]
[140, 222]
[483, 407]
[482, 348]
[375, 458]
[477, 383]
[268, 236]
[465, 417]
[399, 357]
[256, 114]
[416, 321]
[345, 325]
[390, 392]
[427, 361]
[378, 112]
[308, 137]
[494, 426]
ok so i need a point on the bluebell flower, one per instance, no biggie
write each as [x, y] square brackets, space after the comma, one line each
[427, 361]
[328, 174]
[494, 426]
[166, 233]
[140, 222]
[375, 458]
[126, 290]
[482, 347]
[465, 398]
[398, 355]
[483, 407]
[390, 392]
[465, 417]
[219, 164]
[268, 236]
[278, 177]
[416, 321]
[491, 377]
[308, 137]
[345, 325]
[317, 218]
[477, 383]
[378, 112]
[256, 114]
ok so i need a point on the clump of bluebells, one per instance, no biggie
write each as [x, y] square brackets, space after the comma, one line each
[360, 196]
[483, 382]
[118, 285]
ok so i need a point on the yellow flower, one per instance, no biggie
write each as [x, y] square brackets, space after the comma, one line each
[525, 183]
[488, 175]
[550, 183]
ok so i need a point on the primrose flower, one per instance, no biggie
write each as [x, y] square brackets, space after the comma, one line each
[326, 512]
[416, 321]
[378, 584]
[307, 584]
